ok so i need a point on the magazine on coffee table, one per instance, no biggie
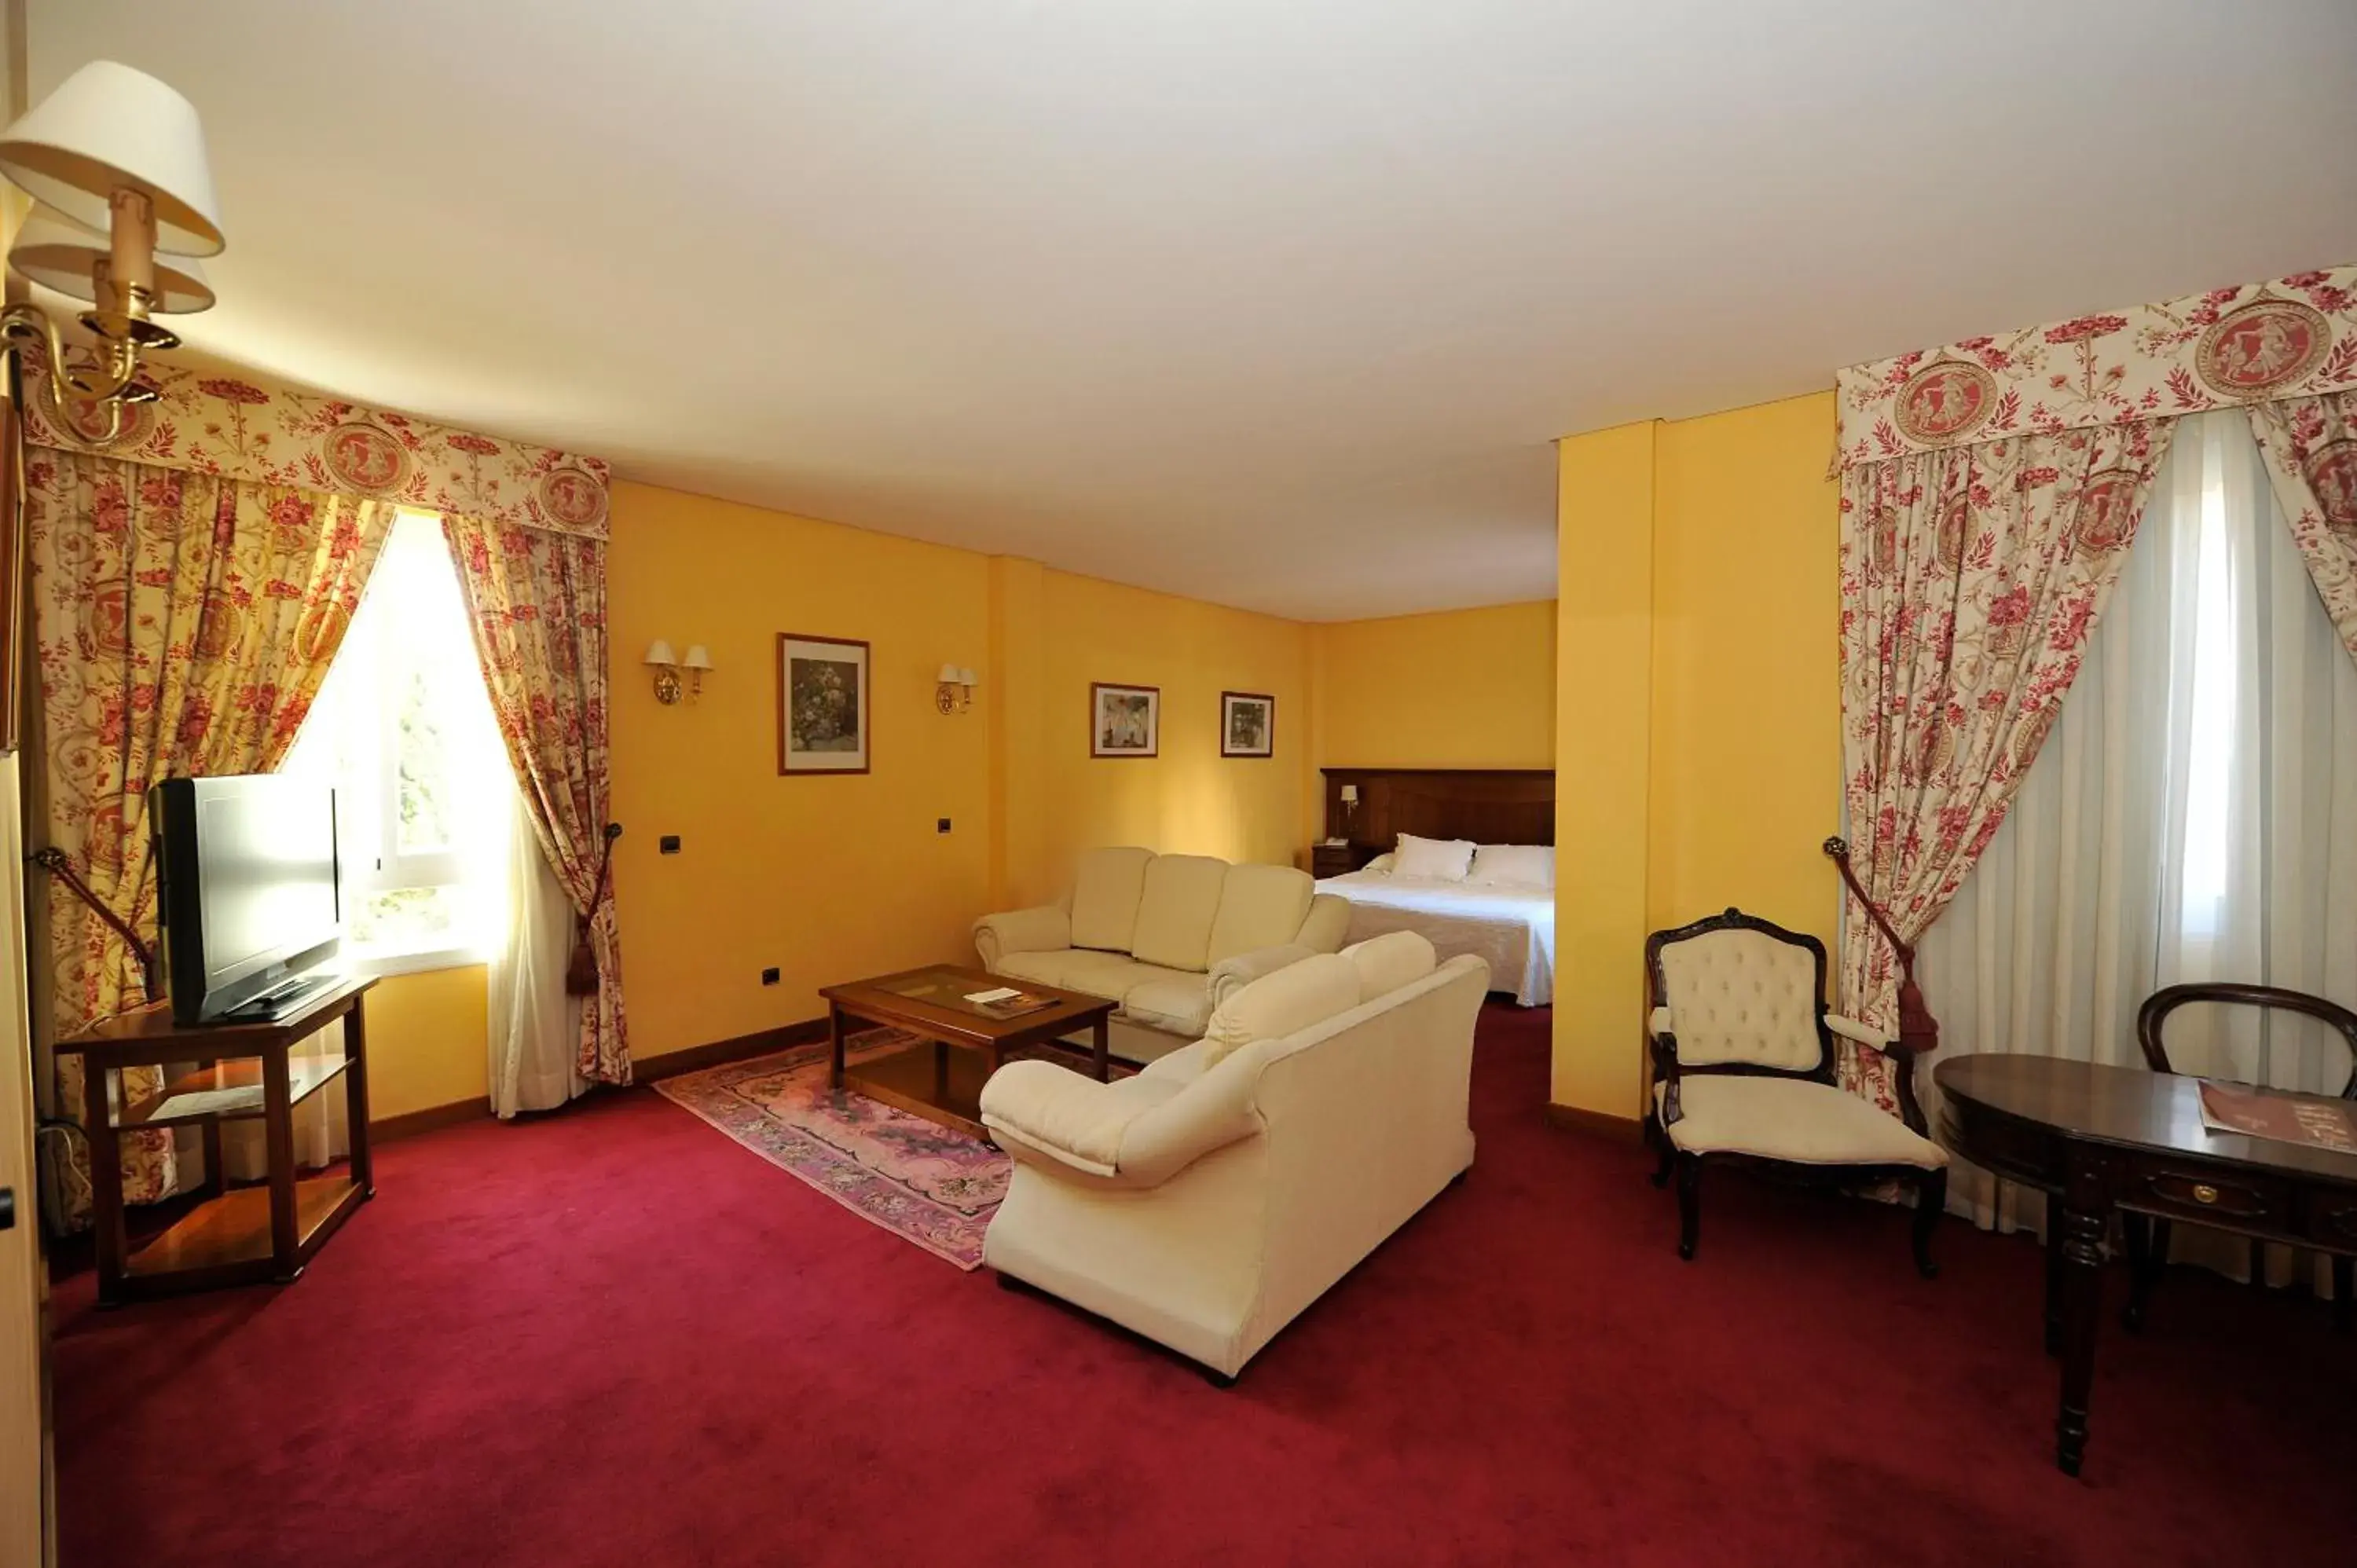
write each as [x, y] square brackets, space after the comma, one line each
[1006, 1002]
[2311, 1120]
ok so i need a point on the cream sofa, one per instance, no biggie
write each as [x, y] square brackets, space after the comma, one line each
[1209, 1199]
[1165, 935]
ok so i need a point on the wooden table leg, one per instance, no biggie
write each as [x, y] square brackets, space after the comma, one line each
[278, 1132]
[355, 1098]
[834, 1045]
[2054, 1273]
[2086, 1217]
[1101, 1039]
[105, 1181]
[940, 1072]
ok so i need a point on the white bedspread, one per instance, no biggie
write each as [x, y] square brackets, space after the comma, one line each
[1513, 928]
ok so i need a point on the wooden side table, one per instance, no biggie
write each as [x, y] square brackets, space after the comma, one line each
[243, 1071]
[1337, 859]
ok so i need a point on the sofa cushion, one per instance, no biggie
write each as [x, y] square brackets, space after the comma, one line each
[1793, 1119]
[1175, 913]
[1104, 897]
[1385, 963]
[1259, 907]
[1111, 975]
[1173, 1001]
[1282, 1004]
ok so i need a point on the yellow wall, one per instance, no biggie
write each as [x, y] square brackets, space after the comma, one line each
[1187, 800]
[828, 878]
[1458, 689]
[1603, 725]
[831, 879]
[1698, 706]
[1747, 667]
[427, 1040]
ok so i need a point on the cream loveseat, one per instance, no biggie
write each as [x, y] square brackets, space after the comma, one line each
[1208, 1200]
[1166, 936]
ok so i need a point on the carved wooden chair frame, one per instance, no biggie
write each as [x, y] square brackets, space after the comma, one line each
[2148, 1239]
[1931, 1185]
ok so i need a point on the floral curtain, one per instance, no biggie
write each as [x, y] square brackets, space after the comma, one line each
[536, 600]
[2312, 450]
[184, 622]
[1971, 577]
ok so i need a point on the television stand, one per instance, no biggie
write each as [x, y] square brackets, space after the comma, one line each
[245, 1070]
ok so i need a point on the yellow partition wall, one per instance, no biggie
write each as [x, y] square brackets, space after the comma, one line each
[1604, 599]
[1697, 739]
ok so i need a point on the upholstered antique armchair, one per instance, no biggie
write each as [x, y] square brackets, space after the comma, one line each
[1743, 1072]
[2148, 1240]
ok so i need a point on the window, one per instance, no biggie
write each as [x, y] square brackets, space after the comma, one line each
[403, 730]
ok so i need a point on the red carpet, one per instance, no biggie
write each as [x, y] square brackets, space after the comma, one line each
[615, 1338]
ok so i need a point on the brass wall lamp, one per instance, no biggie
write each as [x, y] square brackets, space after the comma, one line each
[116, 161]
[667, 688]
[953, 689]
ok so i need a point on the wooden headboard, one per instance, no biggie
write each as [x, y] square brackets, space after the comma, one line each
[1488, 805]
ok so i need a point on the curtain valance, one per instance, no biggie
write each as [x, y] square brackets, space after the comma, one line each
[236, 425]
[2295, 337]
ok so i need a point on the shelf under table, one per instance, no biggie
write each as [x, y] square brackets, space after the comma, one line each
[230, 1089]
[235, 1226]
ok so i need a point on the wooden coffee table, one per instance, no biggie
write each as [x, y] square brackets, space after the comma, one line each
[932, 1079]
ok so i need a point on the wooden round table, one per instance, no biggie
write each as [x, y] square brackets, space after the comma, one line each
[2099, 1138]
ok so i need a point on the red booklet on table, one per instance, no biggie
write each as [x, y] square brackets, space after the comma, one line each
[2308, 1118]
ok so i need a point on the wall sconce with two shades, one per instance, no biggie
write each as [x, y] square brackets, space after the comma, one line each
[953, 689]
[667, 667]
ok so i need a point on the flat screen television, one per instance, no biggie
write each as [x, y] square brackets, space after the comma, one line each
[247, 892]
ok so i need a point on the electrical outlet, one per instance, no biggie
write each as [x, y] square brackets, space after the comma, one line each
[941, 825]
[667, 844]
[770, 975]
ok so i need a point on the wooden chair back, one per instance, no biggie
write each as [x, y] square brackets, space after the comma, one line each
[2168, 998]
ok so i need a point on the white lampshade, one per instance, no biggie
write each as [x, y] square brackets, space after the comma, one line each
[949, 675]
[966, 676]
[109, 128]
[659, 652]
[58, 253]
[1350, 794]
[696, 658]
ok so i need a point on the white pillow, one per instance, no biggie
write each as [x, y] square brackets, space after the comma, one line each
[1381, 865]
[1385, 963]
[1279, 1004]
[1446, 860]
[1519, 864]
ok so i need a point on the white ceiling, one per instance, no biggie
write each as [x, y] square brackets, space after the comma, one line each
[1277, 304]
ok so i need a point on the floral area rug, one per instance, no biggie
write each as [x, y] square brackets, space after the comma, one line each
[932, 1185]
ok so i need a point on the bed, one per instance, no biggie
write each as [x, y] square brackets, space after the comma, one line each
[1512, 926]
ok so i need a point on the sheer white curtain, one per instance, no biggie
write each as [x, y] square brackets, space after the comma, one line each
[2192, 817]
[534, 1024]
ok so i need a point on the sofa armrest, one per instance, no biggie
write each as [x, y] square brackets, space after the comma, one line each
[1135, 1132]
[1328, 922]
[1231, 975]
[1048, 928]
[1863, 1034]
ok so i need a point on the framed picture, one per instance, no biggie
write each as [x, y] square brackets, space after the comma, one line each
[1247, 724]
[1125, 721]
[822, 704]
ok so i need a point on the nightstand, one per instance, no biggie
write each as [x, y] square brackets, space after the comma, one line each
[1335, 859]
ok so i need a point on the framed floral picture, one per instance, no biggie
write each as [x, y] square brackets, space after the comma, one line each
[1247, 724]
[1125, 721]
[824, 697]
